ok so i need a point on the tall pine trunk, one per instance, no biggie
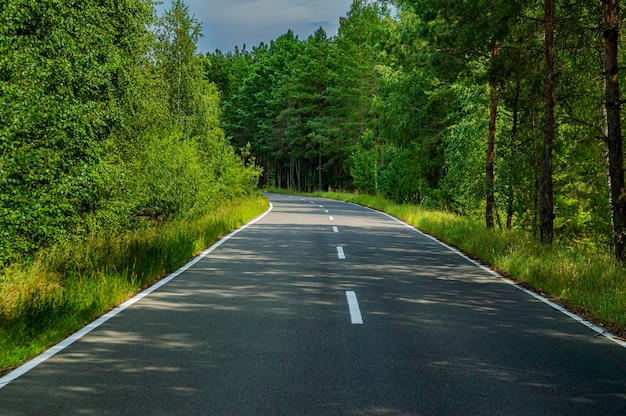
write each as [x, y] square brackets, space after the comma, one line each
[546, 197]
[511, 189]
[610, 32]
[489, 169]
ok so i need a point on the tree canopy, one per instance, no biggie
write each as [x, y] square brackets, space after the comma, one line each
[105, 123]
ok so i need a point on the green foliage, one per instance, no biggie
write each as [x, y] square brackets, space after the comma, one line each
[178, 35]
[302, 105]
[103, 124]
[62, 66]
[172, 176]
[364, 163]
[465, 150]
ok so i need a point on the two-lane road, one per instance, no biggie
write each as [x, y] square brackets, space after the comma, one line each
[328, 308]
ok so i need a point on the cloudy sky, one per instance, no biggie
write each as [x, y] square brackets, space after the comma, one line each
[226, 23]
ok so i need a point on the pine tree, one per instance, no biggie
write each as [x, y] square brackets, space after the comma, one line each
[610, 32]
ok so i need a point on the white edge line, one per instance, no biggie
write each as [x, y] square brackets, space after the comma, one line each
[29, 365]
[355, 311]
[537, 296]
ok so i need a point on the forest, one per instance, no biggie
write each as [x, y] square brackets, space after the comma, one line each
[504, 110]
[107, 123]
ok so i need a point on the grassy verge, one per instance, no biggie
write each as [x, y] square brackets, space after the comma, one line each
[68, 286]
[584, 279]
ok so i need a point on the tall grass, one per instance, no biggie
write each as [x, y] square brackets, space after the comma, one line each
[69, 285]
[583, 278]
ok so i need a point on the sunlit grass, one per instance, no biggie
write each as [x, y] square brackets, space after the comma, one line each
[583, 278]
[69, 285]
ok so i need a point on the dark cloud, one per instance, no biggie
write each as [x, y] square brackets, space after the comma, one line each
[227, 23]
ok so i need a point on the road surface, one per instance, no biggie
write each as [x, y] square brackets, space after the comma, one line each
[327, 308]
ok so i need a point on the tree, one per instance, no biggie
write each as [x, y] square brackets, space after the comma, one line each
[547, 198]
[359, 57]
[471, 36]
[307, 129]
[100, 124]
[610, 32]
[65, 85]
[178, 35]
[186, 163]
[490, 199]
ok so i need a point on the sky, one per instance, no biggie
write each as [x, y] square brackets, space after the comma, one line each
[230, 23]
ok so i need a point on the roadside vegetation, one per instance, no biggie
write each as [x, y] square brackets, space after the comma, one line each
[69, 285]
[114, 169]
[581, 277]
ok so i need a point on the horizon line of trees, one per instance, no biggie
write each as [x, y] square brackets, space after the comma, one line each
[509, 110]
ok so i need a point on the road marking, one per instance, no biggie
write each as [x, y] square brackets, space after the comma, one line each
[340, 253]
[331, 218]
[321, 206]
[335, 229]
[326, 211]
[355, 312]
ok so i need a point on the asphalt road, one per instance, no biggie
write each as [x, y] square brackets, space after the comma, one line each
[328, 308]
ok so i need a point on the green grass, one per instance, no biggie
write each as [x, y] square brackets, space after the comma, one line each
[585, 279]
[70, 285]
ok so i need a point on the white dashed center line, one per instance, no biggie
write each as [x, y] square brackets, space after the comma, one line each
[340, 253]
[335, 229]
[355, 312]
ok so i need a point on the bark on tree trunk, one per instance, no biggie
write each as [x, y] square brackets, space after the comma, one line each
[489, 170]
[319, 168]
[511, 196]
[614, 133]
[298, 172]
[546, 198]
